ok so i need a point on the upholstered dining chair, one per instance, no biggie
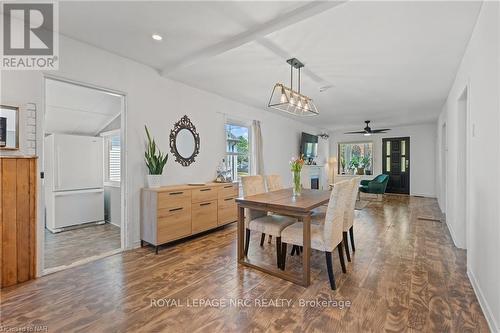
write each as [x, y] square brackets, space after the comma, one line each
[349, 216]
[261, 221]
[274, 182]
[327, 236]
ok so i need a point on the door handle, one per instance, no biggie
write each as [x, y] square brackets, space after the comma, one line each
[205, 204]
[205, 189]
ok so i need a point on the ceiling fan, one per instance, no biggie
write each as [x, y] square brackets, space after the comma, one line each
[367, 131]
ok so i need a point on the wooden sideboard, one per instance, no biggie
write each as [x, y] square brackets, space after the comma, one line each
[173, 212]
[17, 219]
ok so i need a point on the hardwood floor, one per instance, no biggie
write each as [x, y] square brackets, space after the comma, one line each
[405, 275]
[67, 247]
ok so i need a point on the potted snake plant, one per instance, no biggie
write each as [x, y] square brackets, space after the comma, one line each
[155, 161]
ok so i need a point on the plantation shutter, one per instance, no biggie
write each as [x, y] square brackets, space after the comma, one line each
[114, 158]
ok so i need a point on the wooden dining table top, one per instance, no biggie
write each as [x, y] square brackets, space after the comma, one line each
[284, 200]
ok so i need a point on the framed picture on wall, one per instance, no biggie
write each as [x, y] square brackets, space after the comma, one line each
[9, 127]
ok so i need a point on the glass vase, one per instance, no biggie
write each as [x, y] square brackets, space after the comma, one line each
[297, 186]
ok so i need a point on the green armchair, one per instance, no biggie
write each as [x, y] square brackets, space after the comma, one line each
[375, 186]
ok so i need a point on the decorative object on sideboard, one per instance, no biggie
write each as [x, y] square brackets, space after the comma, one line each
[184, 141]
[155, 161]
[9, 127]
[296, 167]
[223, 173]
[286, 99]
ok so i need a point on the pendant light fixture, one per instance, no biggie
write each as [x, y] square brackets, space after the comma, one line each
[288, 100]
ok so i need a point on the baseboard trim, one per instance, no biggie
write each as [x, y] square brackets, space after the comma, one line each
[453, 237]
[494, 327]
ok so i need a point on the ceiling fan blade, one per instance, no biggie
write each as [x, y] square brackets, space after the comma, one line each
[359, 132]
[382, 130]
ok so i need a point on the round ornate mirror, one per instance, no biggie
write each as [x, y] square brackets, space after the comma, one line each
[184, 141]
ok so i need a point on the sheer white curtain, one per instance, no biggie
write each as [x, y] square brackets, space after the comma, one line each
[257, 149]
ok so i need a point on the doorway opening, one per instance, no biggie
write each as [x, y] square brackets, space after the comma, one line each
[83, 174]
[462, 154]
[396, 164]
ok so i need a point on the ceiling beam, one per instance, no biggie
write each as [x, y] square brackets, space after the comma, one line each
[299, 14]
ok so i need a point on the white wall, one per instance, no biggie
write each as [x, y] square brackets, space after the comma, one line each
[422, 153]
[159, 103]
[479, 70]
[112, 204]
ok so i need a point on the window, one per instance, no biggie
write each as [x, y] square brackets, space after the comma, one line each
[238, 150]
[112, 151]
[355, 158]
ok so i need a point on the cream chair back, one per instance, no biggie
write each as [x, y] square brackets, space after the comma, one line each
[274, 182]
[253, 185]
[334, 220]
[351, 203]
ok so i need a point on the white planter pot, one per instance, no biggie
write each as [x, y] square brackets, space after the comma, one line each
[154, 180]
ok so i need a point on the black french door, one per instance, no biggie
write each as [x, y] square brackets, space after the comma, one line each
[396, 164]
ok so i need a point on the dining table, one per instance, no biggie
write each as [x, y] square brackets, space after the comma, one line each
[282, 202]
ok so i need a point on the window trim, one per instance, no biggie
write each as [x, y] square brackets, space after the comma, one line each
[355, 142]
[247, 125]
[106, 135]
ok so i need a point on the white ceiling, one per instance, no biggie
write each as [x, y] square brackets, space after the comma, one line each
[390, 62]
[73, 109]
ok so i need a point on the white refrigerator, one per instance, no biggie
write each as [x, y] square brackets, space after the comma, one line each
[74, 186]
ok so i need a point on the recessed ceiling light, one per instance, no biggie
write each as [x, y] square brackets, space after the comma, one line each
[156, 37]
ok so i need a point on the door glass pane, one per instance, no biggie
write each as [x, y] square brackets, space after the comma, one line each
[388, 148]
[403, 147]
[388, 164]
[403, 164]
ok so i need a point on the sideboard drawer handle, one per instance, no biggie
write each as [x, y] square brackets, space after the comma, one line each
[228, 186]
[205, 189]
[228, 199]
[174, 209]
[205, 204]
[175, 193]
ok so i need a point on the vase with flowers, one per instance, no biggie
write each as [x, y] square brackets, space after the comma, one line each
[296, 167]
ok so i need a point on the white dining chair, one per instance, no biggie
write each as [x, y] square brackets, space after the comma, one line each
[260, 221]
[326, 236]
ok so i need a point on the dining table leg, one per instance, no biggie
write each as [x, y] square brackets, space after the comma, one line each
[241, 229]
[306, 261]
